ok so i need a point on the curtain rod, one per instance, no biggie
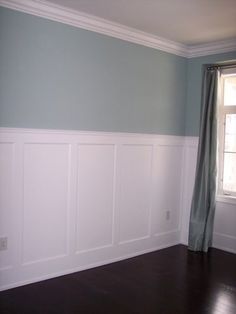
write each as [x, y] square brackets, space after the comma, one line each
[220, 66]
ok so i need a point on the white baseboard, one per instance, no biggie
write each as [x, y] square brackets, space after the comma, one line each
[93, 265]
[224, 242]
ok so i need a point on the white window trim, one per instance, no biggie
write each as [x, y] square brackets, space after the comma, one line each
[222, 111]
[228, 199]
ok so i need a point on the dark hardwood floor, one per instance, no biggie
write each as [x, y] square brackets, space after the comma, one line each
[172, 280]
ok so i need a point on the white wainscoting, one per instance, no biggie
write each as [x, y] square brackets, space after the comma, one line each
[73, 200]
[189, 166]
[224, 236]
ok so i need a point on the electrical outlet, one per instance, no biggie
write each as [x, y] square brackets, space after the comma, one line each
[167, 215]
[3, 243]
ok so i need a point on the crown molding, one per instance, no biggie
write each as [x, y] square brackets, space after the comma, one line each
[211, 48]
[81, 20]
[78, 19]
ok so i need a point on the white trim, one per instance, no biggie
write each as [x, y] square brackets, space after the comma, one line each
[177, 139]
[226, 199]
[92, 23]
[85, 254]
[211, 48]
[15, 273]
[92, 265]
[78, 19]
[191, 141]
[222, 112]
[224, 242]
[223, 248]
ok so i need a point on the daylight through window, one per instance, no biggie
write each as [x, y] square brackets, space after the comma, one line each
[227, 134]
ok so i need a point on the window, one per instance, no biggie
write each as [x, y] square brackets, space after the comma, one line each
[227, 135]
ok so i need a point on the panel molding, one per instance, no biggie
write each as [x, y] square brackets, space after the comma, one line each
[43, 260]
[94, 249]
[45, 268]
[9, 205]
[134, 239]
[67, 209]
[146, 210]
[98, 144]
[141, 242]
[159, 234]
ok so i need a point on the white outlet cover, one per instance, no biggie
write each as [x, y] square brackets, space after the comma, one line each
[167, 215]
[3, 243]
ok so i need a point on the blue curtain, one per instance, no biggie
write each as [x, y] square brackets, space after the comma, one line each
[203, 201]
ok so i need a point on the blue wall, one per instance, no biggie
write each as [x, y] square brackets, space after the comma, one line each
[194, 84]
[56, 76]
[59, 77]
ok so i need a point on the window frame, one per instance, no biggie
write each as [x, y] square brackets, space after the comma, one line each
[223, 195]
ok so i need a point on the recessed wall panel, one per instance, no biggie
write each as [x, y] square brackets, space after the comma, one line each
[95, 196]
[134, 209]
[167, 181]
[45, 208]
[7, 214]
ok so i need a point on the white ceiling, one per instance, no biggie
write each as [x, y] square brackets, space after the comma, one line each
[190, 22]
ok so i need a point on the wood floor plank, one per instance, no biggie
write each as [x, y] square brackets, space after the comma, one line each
[169, 281]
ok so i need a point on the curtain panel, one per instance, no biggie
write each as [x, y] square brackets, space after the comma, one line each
[203, 201]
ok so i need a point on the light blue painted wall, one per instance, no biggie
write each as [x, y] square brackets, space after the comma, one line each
[56, 76]
[194, 84]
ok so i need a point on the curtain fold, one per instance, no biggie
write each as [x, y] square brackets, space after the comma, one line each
[203, 200]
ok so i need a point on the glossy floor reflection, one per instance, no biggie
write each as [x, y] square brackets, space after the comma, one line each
[171, 281]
